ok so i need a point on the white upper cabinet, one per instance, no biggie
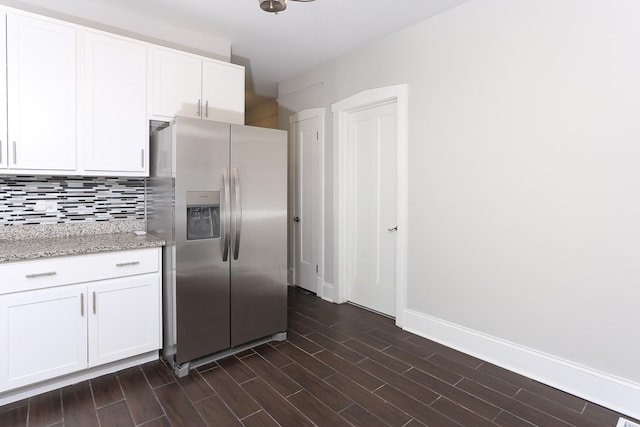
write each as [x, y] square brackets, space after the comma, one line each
[3, 91]
[193, 86]
[223, 92]
[113, 121]
[41, 83]
[177, 84]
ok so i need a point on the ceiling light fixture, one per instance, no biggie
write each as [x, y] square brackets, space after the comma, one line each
[275, 6]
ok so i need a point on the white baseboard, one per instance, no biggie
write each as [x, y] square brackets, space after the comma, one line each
[614, 393]
[328, 292]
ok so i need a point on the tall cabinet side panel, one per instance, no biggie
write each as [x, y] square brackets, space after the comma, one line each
[258, 233]
[160, 222]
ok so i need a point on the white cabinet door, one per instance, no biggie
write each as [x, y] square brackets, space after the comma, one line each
[115, 130]
[124, 318]
[3, 92]
[44, 336]
[177, 84]
[41, 82]
[223, 92]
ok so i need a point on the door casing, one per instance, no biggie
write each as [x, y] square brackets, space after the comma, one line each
[366, 99]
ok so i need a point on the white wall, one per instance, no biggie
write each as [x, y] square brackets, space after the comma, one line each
[524, 177]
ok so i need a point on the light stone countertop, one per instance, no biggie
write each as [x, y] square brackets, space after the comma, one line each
[36, 248]
[19, 243]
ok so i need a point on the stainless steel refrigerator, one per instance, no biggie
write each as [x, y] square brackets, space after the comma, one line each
[217, 194]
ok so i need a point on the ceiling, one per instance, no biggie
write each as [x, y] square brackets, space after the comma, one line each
[272, 47]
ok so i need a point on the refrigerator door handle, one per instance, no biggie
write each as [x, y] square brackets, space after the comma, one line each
[238, 213]
[226, 200]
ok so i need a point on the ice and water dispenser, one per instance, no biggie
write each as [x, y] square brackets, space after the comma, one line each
[203, 215]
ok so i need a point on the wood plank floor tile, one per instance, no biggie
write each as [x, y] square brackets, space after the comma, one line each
[385, 359]
[115, 415]
[461, 397]
[328, 395]
[307, 361]
[339, 349]
[369, 401]
[45, 409]
[177, 406]
[215, 412]
[158, 373]
[414, 407]
[106, 390]
[398, 381]
[277, 406]
[260, 419]
[401, 343]
[510, 405]
[360, 334]
[236, 369]
[234, 396]
[359, 417]
[557, 410]
[158, 422]
[355, 373]
[15, 416]
[275, 357]
[303, 342]
[316, 411]
[272, 375]
[78, 408]
[195, 387]
[425, 365]
[140, 398]
[540, 389]
[473, 374]
[460, 413]
[507, 419]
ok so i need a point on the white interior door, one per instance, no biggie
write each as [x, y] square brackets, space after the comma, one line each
[372, 220]
[307, 209]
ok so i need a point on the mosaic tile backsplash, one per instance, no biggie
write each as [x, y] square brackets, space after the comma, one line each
[23, 199]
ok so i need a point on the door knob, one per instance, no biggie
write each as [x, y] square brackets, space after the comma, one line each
[296, 218]
[393, 229]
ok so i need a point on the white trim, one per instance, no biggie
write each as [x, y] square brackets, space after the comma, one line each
[598, 387]
[311, 113]
[367, 99]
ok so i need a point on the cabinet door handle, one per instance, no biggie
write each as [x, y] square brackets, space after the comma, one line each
[82, 305]
[206, 108]
[142, 158]
[126, 264]
[14, 153]
[199, 108]
[94, 302]
[36, 275]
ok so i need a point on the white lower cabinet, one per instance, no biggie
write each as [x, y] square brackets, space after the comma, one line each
[45, 335]
[123, 319]
[55, 328]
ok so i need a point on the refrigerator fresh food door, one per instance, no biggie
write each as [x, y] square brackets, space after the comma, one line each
[201, 218]
[258, 175]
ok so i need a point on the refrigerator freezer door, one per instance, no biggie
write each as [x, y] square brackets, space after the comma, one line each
[258, 174]
[202, 277]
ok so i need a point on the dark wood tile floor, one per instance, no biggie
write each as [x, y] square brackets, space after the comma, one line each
[341, 366]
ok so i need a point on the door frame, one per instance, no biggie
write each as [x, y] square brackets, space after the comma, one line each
[363, 100]
[310, 113]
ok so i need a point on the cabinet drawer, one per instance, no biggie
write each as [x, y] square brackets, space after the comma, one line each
[38, 274]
